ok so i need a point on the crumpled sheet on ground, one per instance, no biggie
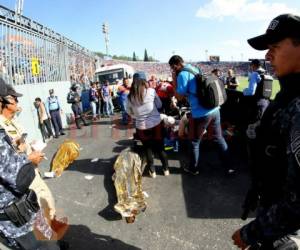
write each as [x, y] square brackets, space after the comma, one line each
[128, 183]
[68, 151]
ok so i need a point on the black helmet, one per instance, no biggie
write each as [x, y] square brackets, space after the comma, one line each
[74, 87]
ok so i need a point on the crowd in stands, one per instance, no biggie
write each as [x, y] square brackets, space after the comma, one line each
[162, 70]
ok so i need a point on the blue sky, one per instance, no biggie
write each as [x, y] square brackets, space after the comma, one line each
[163, 27]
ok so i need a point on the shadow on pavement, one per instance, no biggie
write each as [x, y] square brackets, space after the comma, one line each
[81, 237]
[214, 194]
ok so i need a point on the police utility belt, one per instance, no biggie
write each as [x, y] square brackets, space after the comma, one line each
[21, 210]
[53, 110]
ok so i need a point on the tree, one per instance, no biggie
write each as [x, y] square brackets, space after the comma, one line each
[146, 59]
[134, 56]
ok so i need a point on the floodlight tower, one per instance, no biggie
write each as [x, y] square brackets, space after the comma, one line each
[19, 7]
[105, 31]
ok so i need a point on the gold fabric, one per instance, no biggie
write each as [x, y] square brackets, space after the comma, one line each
[68, 151]
[128, 183]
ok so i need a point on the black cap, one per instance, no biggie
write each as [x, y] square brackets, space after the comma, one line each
[281, 27]
[255, 62]
[6, 90]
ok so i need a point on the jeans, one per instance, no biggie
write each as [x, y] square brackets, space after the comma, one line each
[94, 108]
[197, 127]
[110, 106]
[122, 102]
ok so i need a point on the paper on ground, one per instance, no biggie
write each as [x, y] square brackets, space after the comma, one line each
[89, 177]
[49, 174]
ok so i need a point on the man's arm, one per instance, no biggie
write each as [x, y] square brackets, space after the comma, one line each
[253, 81]
[59, 107]
[181, 85]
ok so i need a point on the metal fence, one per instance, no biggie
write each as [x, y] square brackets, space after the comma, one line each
[33, 53]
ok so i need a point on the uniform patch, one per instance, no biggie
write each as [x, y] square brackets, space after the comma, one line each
[295, 144]
[297, 156]
[273, 25]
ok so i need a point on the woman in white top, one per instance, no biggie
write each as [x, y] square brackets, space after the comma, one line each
[142, 105]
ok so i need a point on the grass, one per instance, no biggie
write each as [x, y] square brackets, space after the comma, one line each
[244, 84]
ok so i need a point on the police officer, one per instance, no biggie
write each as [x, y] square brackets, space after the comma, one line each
[74, 99]
[277, 155]
[256, 103]
[18, 204]
[53, 108]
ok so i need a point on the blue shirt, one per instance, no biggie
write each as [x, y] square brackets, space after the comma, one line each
[186, 85]
[52, 104]
[254, 79]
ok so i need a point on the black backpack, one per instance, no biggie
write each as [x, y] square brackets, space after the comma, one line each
[209, 90]
[264, 87]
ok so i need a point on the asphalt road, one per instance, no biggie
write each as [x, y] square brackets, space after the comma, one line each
[184, 212]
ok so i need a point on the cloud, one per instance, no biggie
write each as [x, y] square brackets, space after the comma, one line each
[232, 43]
[243, 10]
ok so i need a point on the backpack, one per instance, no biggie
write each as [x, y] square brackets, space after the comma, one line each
[264, 87]
[209, 90]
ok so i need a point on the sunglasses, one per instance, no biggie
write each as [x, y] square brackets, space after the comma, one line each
[12, 97]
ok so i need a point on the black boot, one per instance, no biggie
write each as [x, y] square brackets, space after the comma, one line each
[77, 123]
[83, 120]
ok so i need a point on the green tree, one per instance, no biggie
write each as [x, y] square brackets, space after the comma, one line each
[146, 59]
[134, 57]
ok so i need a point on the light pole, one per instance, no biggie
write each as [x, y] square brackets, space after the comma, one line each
[105, 31]
[206, 55]
[19, 7]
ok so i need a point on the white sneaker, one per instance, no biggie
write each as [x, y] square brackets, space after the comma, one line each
[166, 172]
[152, 174]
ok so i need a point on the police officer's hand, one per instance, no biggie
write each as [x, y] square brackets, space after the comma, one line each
[36, 157]
[237, 240]
[22, 147]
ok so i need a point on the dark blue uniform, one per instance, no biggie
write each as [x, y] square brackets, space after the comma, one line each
[74, 99]
[53, 108]
[276, 173]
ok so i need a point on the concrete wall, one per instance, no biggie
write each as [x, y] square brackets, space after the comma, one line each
[28, 117]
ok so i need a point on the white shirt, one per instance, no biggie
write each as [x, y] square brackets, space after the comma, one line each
[146, 114]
